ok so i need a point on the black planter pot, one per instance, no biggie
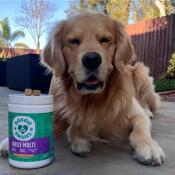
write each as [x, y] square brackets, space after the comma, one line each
[3, 78]
[25, 71]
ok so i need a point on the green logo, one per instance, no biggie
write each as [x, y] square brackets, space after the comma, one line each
[23, 128]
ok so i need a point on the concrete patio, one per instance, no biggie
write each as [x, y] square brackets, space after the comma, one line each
[111, 159]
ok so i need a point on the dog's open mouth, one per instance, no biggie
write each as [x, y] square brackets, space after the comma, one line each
[92, 83]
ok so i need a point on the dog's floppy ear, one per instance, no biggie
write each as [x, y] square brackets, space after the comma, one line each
[52, 54]
[125, 53]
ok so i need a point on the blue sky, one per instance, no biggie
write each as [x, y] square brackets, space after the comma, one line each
[10, 9]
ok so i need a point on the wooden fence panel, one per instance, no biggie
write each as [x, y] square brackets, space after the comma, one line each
[154, 42]
[12, 52]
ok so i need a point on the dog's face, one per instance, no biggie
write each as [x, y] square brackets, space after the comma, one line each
[88, 47]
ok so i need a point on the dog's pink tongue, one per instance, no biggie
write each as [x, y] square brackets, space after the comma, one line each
[91, 82]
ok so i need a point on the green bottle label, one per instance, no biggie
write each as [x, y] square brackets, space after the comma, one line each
[30, 136]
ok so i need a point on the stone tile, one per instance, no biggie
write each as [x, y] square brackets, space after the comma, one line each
[105, 159]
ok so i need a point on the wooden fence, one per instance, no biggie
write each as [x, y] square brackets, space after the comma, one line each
[12, 52]
[154, 42]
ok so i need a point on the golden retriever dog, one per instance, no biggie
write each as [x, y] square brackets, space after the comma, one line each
[98, 95]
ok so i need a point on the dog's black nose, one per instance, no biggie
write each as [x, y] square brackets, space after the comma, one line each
[91, 60]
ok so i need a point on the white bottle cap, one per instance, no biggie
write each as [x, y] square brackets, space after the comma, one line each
[30, 100]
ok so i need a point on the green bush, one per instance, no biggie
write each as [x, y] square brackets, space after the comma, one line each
[171, 67]
[164, 85]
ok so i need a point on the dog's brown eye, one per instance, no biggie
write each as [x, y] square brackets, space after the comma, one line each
[104, 40]
[74, 41]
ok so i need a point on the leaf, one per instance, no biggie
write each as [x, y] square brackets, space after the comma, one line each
[16, 35]
[21, 45]
[119, 10]
[5, 29]
[171, 67]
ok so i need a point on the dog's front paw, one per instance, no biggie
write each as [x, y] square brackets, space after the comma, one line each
[150, 154]
[4, 146]
[80, 147]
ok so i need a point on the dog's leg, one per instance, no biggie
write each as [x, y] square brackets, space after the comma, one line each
[148, 112]
[4, 147]
[59, 127]
[154, 102]
[79, 144]
[147, 151]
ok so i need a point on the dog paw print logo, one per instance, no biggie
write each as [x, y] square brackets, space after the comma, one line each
[23, 128]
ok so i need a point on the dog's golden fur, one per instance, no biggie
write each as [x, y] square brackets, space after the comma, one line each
[122, 108]
[144, 88]
[94, 112]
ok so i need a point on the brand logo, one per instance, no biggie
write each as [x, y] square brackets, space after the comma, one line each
[23, 128]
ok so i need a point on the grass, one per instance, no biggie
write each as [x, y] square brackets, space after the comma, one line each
[164, 85]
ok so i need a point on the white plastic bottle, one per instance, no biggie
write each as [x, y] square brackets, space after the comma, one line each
[30, 120]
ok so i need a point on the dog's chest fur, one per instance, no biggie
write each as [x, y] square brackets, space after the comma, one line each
[97, 115]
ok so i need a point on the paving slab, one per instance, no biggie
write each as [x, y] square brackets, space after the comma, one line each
[105, 159]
